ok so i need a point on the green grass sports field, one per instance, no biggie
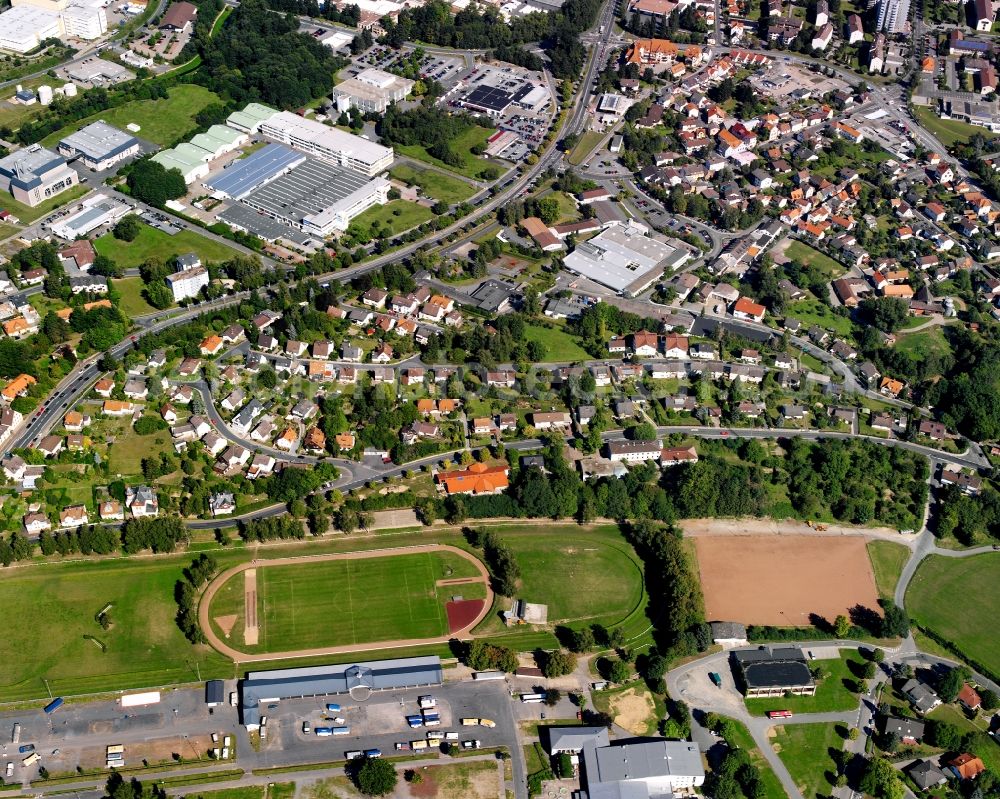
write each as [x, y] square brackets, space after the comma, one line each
[958, 599]
[343, 602]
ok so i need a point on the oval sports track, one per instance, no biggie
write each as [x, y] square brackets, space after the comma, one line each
[464, 613]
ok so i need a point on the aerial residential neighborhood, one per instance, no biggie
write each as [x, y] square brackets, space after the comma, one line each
[518, 398]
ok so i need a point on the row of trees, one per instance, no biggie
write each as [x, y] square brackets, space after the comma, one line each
[186, 590]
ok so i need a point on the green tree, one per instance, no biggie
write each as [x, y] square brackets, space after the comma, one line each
[151, 183]
[558, 663]
[159, 295]
[375, 777]
[619, 671]
[128, 228]
[841, 626]
[882, 780]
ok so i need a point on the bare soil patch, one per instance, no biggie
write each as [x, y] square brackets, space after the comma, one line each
[782, 580]
[226, 623]
[631, 710]
[251, 632]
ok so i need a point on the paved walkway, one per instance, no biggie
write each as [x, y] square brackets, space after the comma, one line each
[204, 607]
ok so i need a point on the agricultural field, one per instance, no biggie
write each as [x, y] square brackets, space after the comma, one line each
[887, 560]
[153, 243]
[472, 165]
[833, 693]
[143, 647]
[350, 601]
[434, 184]
[164, 122]
[559, 345]
[805, 751]
[958, 600]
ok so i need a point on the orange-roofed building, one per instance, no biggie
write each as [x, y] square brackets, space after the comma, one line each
[426, 406]
[117, 408]
[315, 439]
[89, 306]
[18, 327]
[745, 308]
[18, 387]
[928, 64]
[967, 766]
[344, 440]
[447, 405]
[480, 478]
[651, 51]
[210, 345]
[66, 313]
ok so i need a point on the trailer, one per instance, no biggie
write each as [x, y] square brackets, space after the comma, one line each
[341, 730]
[324, 732]
[373, 753]
[15, 736]
[403, 746]
[426, 702]
[415, 721]
[467, 722]
[354, 754]
[115, 749]
[54, 705]
[416, 746]
[488, 675]
[30, 760]
[471, 744]
[533, 699]
[138, 700]
[332, 708]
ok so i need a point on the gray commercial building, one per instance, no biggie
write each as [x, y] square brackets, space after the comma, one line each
[371, 91]
[774, 671]
[641, 769]
[99, 145]
[34, 174]
[346, 678]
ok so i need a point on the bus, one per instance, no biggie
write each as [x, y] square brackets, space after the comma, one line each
[373, 753]
[54, 705]
[779, 714]
[533, 699]
[324, 732]
[416, 746]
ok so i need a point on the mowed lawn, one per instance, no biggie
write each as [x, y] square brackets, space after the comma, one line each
[887, 560]
[154, 243]
[958, 599]
[162, 122]
[28, 213]
[805, 751]
[584, 147]
[399, 215]
[742, 738]
[811, 311]
[804, 254]
[924, 343]
[832, 692]
[365, 600]
[587, 575]
[433, 184]
[948, 131]
[559, 345]
[132, 303]
[57, 604]
[471, 165]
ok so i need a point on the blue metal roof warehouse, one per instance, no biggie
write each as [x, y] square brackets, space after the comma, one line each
[378, 675]
[247, 174]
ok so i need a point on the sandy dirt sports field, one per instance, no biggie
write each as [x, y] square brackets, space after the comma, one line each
[781, 580]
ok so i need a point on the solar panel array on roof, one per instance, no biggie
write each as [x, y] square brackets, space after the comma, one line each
[250, 173]
[494, 99]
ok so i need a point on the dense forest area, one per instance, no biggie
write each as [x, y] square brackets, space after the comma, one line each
[260, 56]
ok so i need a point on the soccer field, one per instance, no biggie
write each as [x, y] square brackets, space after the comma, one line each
[357, 601]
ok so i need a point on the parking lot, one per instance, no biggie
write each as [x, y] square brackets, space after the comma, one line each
[444, 69]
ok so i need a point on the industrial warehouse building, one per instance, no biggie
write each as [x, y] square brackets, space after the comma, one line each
[191, 158]
[348, 678]
[96, 210]
[372, 90]
[34, 174]
[299, 191]
[329, 144]
[624, 258]
[99, 145]
[27, 24]
[774, 671]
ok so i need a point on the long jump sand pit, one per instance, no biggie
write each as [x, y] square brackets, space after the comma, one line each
[783, 579]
